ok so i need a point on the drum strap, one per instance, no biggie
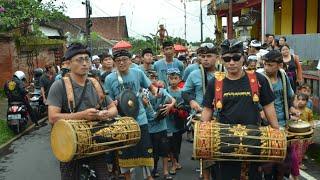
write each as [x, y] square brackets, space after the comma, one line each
[70, 95]
[254, 85]
[99, 90]
[218, 94]
[285, 90]
[219, 76]
[204, 78]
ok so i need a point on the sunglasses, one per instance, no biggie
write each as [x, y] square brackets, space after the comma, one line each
[207, 45]
[236, 57]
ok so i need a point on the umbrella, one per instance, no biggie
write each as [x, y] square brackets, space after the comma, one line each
[179, 48]
[122, 45]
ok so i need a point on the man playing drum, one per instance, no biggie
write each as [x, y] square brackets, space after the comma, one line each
[196, 84]
[86, 101]
[236, 102]
[133, 79]
[280, 84]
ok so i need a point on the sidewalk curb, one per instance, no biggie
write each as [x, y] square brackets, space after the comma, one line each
[21, 134]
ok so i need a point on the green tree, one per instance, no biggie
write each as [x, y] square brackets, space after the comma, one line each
[19, 14]
[139, 44]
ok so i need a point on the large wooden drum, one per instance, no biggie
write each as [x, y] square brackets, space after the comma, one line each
[235, 142]
[74, 139]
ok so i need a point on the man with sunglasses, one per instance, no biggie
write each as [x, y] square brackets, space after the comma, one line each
[87, 99]
[162, 65]
[134, 79]
[234, 104]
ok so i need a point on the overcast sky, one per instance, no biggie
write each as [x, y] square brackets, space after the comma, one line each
[144, 16]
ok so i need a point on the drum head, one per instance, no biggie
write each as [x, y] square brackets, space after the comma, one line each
[63, 141]
[128, 104]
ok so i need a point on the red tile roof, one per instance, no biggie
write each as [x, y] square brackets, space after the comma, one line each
[112, 28]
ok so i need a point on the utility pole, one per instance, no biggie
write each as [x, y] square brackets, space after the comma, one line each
[185, 21]
[201, 22]
[230, 21]
[88, 24]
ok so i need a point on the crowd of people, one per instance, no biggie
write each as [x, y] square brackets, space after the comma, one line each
[213, 81]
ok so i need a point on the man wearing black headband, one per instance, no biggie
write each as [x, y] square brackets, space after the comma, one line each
[280, 84]
[194, 66]
[195, 86]
[86, 100]
[236, 103]
[133, 79]
[162, 65]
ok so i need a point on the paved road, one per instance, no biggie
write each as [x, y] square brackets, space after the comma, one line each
[30, 158]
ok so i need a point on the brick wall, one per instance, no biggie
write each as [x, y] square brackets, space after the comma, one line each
[11, 60]
[7, 52]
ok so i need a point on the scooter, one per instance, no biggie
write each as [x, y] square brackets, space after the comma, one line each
[36, 102]
[17, 116]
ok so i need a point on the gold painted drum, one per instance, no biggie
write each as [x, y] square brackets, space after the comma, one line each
[75, 139]
[235, 142]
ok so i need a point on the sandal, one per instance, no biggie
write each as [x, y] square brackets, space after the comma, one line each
[172, 172]
[167, 177]
[155, 174]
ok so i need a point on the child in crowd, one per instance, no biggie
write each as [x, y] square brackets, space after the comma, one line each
[176, 119]
[157, 123]
[299, 147]
[305, 89]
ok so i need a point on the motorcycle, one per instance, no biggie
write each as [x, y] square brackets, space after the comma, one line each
[36, 99]
[17, 116]
[36, 102]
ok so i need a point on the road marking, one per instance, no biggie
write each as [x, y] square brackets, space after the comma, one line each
[306, 175]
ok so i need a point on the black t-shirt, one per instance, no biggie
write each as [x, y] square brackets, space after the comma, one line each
[238, 106]
[46, 83]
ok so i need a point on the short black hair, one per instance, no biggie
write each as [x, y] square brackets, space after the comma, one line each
[104, 55]
[200, 50]
[167, 44]
[145, 51]
[271, 35]
[303, 96]
[273, 56]
[283, 37]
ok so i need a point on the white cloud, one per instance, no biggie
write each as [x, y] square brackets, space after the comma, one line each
[144, 16]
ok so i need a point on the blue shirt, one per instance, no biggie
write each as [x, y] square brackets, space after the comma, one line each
[188, 70]
[194, 85]
[162, 67]
[170, 119]
[156, 126]
[135, 66]
[135, 79]
[59, 76]
[279, 100]
[141, 67]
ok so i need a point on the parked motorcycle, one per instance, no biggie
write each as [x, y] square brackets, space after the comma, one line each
[36, 102]
[17, 116]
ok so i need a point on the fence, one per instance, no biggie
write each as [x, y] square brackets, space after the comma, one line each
[312, 78]
[305, 45]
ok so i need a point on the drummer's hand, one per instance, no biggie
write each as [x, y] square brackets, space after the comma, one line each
[145, 100]
[167, 108]
[115, 102]
[103, 115]
[90, 114]
[194, 105]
